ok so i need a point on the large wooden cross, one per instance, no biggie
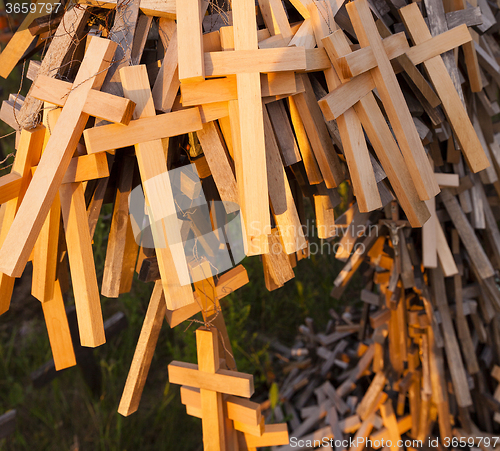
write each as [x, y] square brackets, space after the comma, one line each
[360, 97]
[212, 382]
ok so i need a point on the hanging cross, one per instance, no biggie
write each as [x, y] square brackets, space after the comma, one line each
[212, 382]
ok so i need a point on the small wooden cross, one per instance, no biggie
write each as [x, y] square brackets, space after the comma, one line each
[212, 382]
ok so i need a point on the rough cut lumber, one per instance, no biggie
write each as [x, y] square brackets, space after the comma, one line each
[56, 158]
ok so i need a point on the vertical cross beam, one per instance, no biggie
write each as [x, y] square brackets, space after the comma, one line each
[158, 192]
[211, 401]
[248, 138]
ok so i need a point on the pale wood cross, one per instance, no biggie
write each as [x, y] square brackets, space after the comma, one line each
[357, 94]
[205, 301]
[213, 382]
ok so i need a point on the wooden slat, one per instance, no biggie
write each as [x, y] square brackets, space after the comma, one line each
[115, 136]
[28, 153]
[241, 61]
[158, 191]
[99, 104]
[58, 330]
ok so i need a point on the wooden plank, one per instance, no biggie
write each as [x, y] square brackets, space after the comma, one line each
[280, 195]
[56, 158]
[443, 84]
[121, 238]
[87, 167]
[393, 100]
[445, 256]
[190, 41]
[241, 61]
[467, 235]
[144, 351]
[319, 138]
[58, 330]
[385, 146]
[10, 185]
[283, 131]
[115, 136]
[220, 166]
[311, 166]
[429, 237]
[82, 266]
[224, 381]
[28, 153]
[122, 33]
[455, 364]
[140, 37]
[156, 183]
[167, 81]
[248, 135]
[99, 104]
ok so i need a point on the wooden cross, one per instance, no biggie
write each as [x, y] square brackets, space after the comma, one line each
[452, 103]
[351, 133]
[360, 97]
[55, 160]
[212, 382]
[227, 283]
[393, 100]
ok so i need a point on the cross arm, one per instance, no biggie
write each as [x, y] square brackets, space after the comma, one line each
[363, 59]
[99, 104]
[10, 185]
[222, 381]
[255, 60]
[115, 136]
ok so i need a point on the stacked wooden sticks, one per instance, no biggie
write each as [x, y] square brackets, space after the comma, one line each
[275, 106]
